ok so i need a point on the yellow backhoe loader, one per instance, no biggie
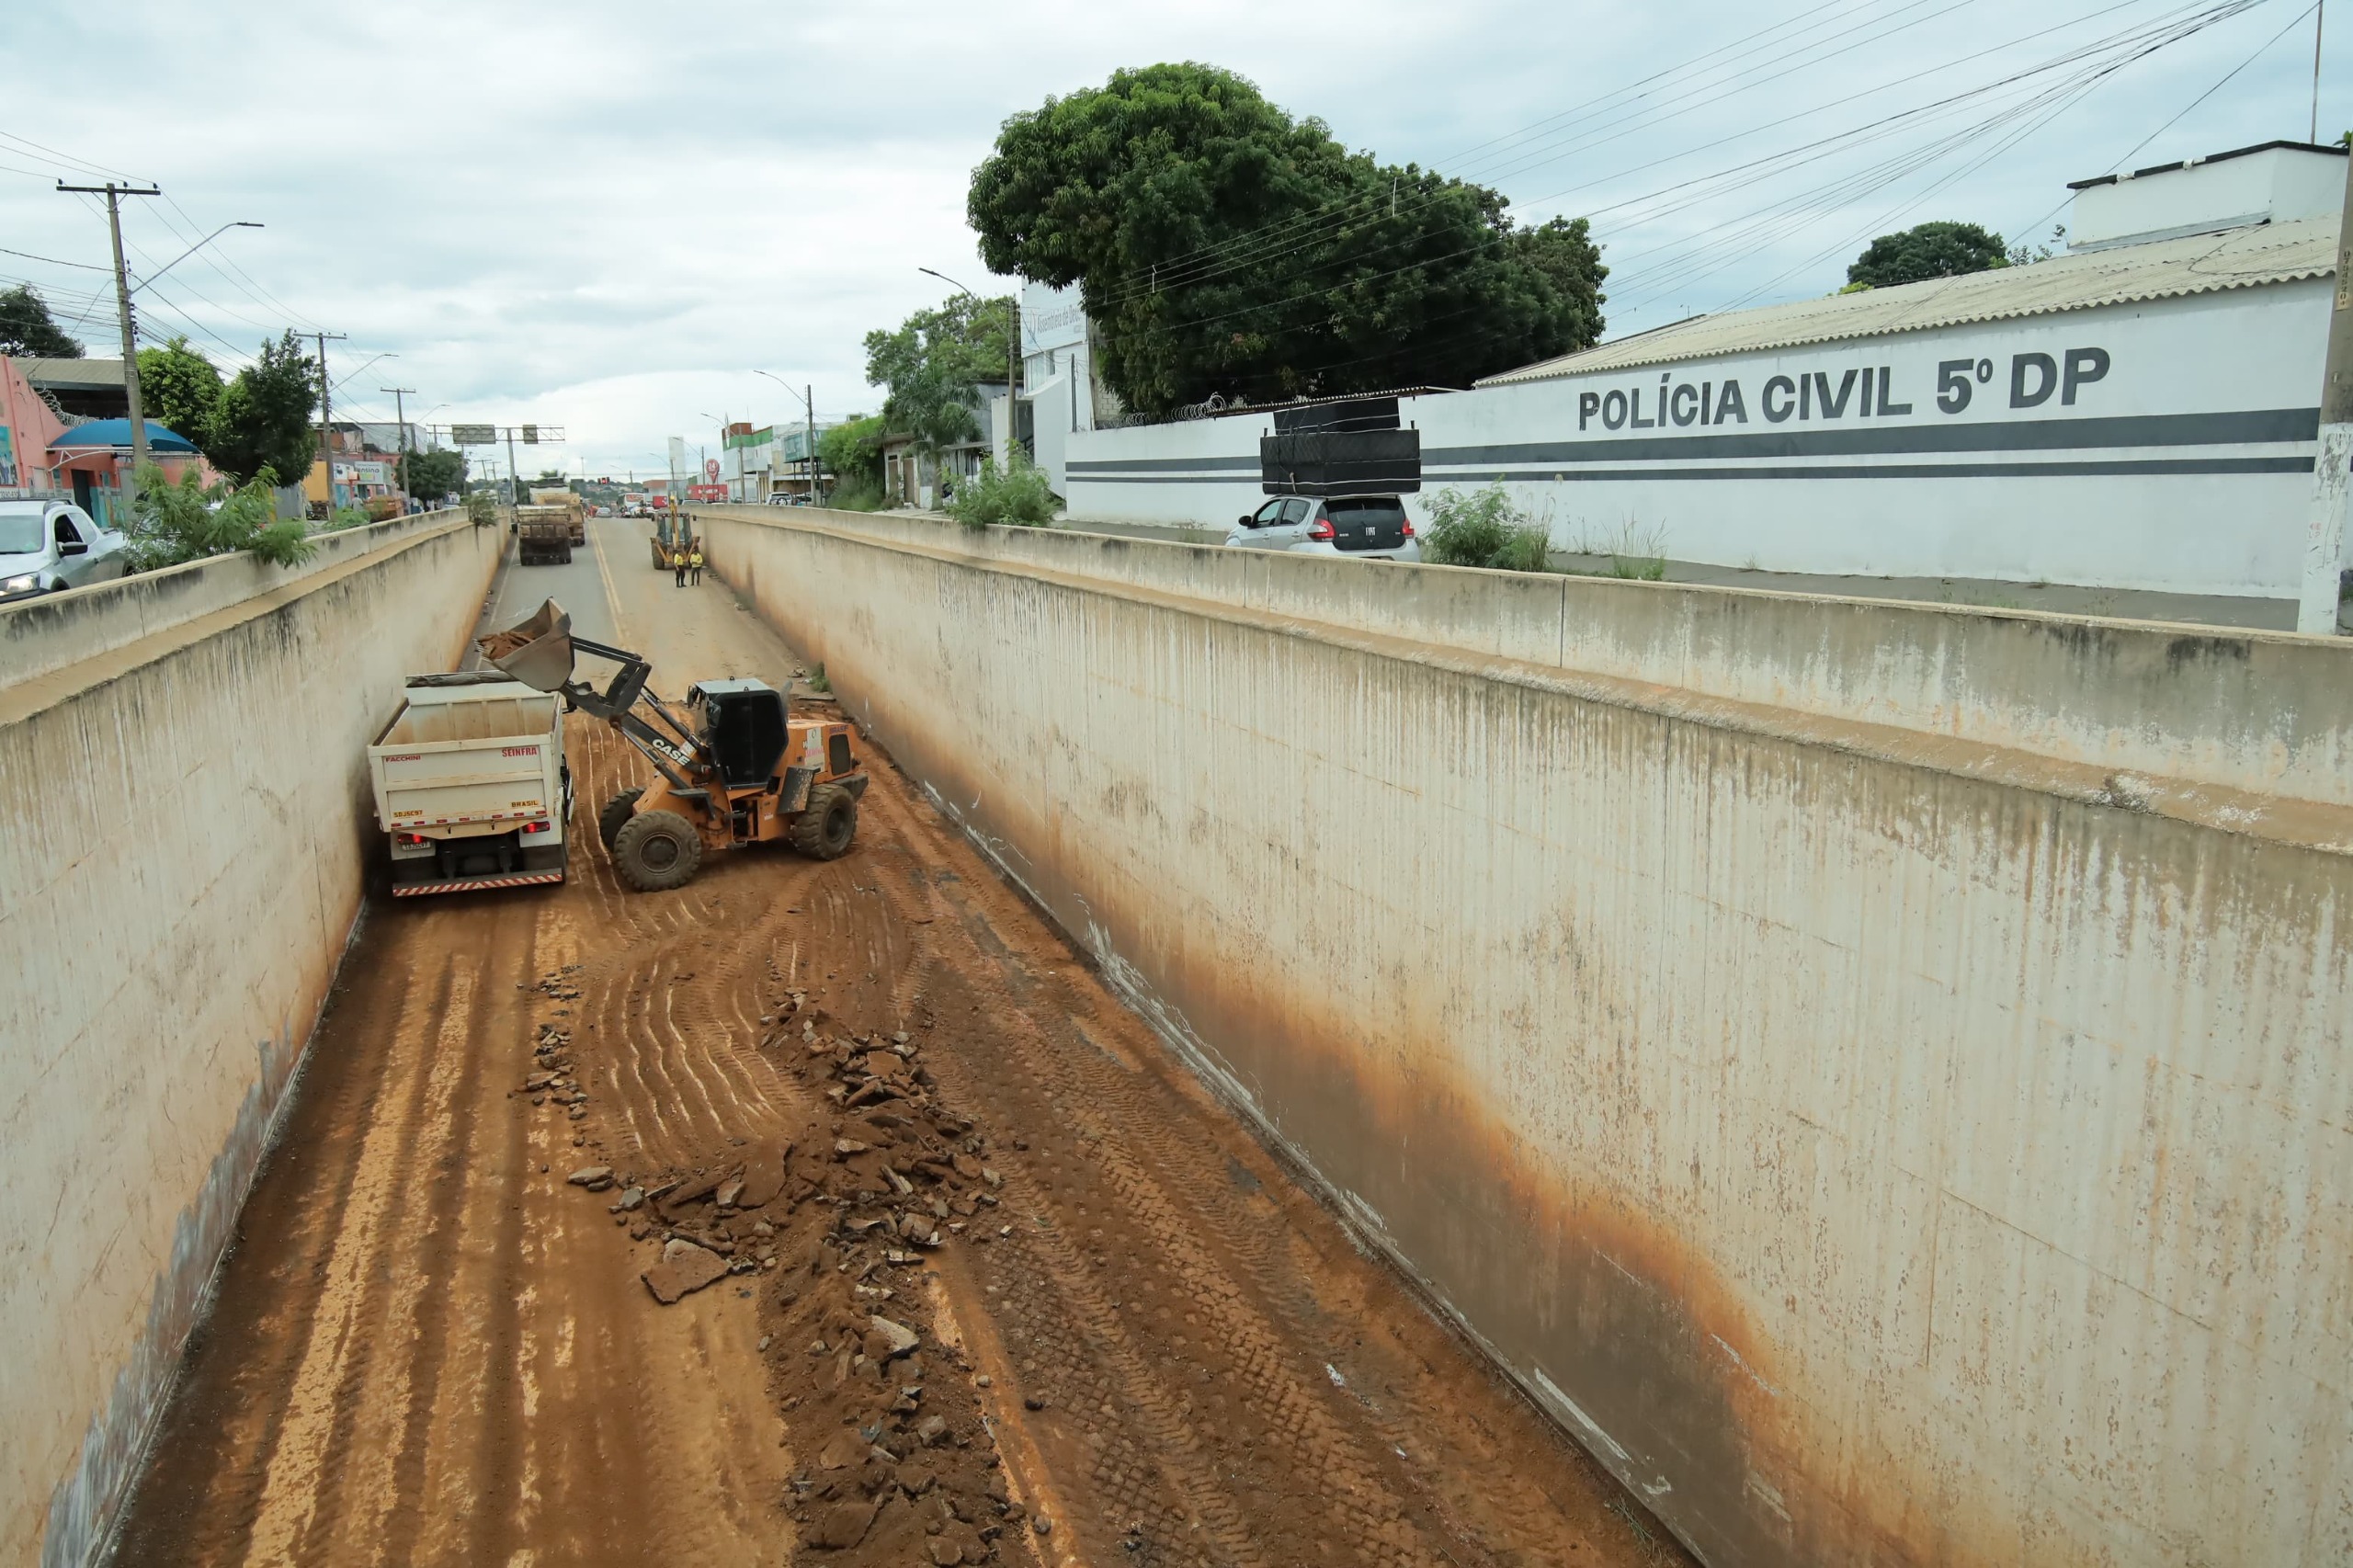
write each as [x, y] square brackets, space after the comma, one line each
[734, 767]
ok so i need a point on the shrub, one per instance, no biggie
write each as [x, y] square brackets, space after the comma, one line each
[173, 523]
[1482, 528]
[481, 508]
[857, 493]
[1019, 498]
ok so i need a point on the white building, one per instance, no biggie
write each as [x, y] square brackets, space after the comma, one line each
[1057, 380]
[2139, 413]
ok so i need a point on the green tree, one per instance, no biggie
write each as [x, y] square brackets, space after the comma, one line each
[853, 449]
[28, 330]
[1927, 250]
[1225, 248]
[931, 366]
[186, 521]
[433, 474]
[181, 389]
[263, 419]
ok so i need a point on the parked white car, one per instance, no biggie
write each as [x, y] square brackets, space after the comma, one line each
[49, 545]
[1362, 527]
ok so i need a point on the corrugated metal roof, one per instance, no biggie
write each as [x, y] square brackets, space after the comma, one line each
[2240, 258]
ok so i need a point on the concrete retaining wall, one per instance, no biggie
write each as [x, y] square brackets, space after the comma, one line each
[1876, 1074]
[188, 823]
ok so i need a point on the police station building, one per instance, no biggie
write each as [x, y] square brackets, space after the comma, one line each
[2139, 413]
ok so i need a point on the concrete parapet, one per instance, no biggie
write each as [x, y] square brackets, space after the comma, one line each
[182, 764]
[1878, 1074]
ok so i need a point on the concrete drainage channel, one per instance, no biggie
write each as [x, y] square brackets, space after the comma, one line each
[1675, 984]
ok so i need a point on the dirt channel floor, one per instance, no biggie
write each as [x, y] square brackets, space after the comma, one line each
[1002, 1283]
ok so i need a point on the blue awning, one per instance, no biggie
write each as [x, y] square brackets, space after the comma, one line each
[114, 435]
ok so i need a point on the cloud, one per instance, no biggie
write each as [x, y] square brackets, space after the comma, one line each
[609, 216]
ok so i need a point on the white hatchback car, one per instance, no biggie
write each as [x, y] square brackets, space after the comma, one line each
[1362, 527]
[46, 545]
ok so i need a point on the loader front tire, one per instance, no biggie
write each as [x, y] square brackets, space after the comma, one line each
[655, 851]
[828, 824]
[616, 815]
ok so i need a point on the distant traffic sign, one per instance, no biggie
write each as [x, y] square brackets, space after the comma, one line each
[475, 435]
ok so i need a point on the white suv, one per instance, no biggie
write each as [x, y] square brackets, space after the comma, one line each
[47, 545]
[1362, 527]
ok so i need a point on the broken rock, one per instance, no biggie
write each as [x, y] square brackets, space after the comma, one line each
[684, 1269]
[596, 1178]
[894, 1339]
[841, 1525]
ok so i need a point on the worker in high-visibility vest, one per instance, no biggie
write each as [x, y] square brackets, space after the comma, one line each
[694, 565]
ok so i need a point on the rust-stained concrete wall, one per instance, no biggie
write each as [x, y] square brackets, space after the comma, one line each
[187, 815]
[1878, 1074]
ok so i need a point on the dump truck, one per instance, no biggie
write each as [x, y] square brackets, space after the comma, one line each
[575, 511]
[471, 784]
[542, 537]
[733, 767]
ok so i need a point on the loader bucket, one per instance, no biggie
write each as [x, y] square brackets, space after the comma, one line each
[537, 652]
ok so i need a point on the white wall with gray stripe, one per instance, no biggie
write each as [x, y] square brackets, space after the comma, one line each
[2163, 444]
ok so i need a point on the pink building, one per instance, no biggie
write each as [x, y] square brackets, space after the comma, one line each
[43, 454]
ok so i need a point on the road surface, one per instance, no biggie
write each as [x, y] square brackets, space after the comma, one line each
[1135, 1340]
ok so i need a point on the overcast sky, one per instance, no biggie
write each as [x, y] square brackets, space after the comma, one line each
[609, 217]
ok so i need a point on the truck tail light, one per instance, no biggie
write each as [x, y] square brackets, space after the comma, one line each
[411, 839]
[536, 826]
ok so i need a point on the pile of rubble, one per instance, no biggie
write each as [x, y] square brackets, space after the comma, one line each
[898, 1464]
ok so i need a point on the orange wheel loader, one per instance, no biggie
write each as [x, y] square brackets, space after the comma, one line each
[734, 767]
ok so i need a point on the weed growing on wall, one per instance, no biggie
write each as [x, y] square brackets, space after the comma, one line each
[1482, 527]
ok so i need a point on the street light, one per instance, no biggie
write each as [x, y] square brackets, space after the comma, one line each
[1012, 351]
[191, 250]
[809, 407]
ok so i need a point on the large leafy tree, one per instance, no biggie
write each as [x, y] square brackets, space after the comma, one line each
[853, 449]
[26, 328]
[181, 389]
[1225, 248]
[263, 419]
[1927, 250]
[430, 476]
[932, 364]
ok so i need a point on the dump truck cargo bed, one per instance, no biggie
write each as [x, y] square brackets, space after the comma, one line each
[471, 785]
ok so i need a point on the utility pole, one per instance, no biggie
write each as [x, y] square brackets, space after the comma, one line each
[400, 430]
[114, 193]
[2316, 606]
[326, 414]
[514, 474]
[1012, 368]
[809, 403]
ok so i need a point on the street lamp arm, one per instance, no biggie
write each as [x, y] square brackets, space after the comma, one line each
[191, 250]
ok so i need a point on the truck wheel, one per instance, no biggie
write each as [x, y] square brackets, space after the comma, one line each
[655, 851]
[826, 826]
[616, 812]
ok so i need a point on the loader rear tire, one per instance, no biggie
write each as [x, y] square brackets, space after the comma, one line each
[828, 824]
[655, 851]
[616, 815]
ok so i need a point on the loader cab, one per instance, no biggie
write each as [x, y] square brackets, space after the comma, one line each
[745, 723]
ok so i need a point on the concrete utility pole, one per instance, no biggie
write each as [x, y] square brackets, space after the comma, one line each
[809, 406]
[2324, 540]
[400, 429]
[326, 414]
[114, 193]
